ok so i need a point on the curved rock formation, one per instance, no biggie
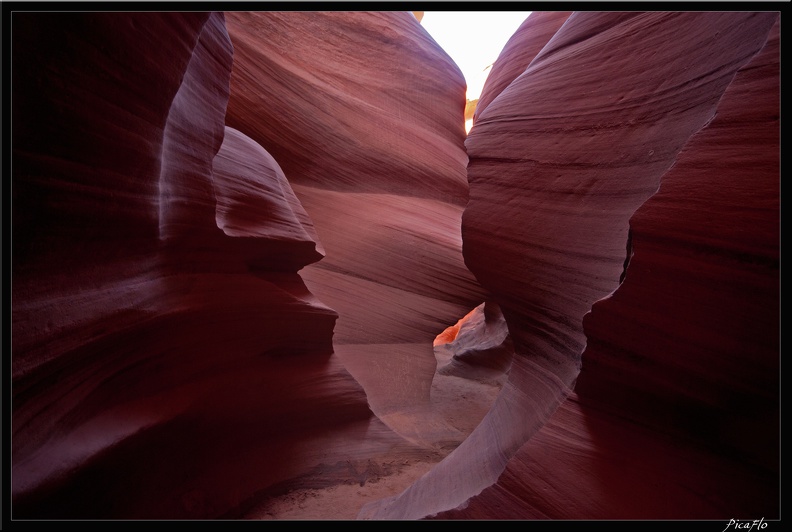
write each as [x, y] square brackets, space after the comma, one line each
[172, 174]
[365, 114]
[676, 414]
[351, 101]
[477, 346]
[165, 363]
[559, 162]
[257, 207]
[517, 54]
[701, 363]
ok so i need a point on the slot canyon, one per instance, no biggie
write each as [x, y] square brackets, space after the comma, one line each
[259, 270]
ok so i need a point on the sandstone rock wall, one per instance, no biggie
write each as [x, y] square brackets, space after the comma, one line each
[162, 339]
[681, 362]
[559, 162]
[365, 114]
[351, 101]
[519, 51]
[237, 237]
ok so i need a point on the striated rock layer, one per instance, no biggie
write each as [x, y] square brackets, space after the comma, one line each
[364, 112]
[559, 162]
[351, 101]
[519, 51]
[702, 362]
[168, 361]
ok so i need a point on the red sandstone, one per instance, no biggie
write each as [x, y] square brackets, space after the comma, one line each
[236, 238]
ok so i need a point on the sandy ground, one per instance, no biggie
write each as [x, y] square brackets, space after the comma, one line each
[456, 407]
[340, 502]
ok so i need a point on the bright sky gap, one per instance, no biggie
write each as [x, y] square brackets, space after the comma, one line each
[473, 39]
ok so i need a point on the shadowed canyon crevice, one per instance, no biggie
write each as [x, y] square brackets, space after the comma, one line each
[259, 270]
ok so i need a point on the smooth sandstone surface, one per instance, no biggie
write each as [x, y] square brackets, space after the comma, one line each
[260, 273]
[675, 414]
[521, 48]
[351, 101]
[364, 113]
[256, 206]
[559, 162]
[478, 346]
[168, 361]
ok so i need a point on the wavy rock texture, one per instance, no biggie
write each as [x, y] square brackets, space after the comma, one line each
[257, 207]
[165, 363]
[519, 51]
[351, 101]
[364, 112]
[169, 361]
[559, 162]
[677, 412]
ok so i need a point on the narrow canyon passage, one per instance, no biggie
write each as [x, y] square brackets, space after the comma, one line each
[394, 272]
[562, 197]
[393, 266]
[261, 272]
